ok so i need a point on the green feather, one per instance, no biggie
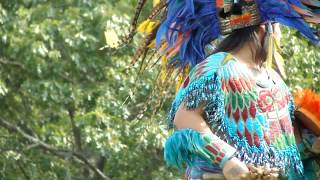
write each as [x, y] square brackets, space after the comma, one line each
[233, 101]
[240, 101]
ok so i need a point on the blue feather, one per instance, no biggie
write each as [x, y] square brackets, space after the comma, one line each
[282, 12]
[181, 147]
[198, 18]
[302, 27]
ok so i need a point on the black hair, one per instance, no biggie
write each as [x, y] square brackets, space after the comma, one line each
[239, 37]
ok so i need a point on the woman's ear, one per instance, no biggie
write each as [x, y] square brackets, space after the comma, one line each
[261, 31]
[262, 27]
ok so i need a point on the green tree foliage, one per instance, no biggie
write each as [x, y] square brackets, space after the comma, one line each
[302, 62]
[70, 108]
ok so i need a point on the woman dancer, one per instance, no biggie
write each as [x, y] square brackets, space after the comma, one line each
[233, 113]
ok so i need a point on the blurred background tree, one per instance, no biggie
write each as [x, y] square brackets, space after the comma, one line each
[70, 108]
[302, 61]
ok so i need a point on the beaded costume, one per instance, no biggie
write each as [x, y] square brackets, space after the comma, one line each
[250, 117]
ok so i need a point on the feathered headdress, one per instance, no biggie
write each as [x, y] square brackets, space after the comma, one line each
[182, 29]
[308, 109]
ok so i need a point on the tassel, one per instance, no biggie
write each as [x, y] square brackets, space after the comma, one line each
[274, 58]
[269, 44]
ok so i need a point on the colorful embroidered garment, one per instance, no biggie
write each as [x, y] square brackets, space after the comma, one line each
[250, 113]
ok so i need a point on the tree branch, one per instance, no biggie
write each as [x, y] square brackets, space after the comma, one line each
[6, 62]
[76, 131]
[61, 152]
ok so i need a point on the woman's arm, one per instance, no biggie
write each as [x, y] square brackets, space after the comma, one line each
[184, 119]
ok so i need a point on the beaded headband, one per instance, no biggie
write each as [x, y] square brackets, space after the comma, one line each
[237, 14]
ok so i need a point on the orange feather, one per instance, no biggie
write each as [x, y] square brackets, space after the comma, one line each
[310, 101]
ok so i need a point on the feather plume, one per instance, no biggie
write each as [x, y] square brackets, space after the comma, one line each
[284, 12]
[148, 26]
[308, 100]
[198, 23]
[186, 27]
[155, 2]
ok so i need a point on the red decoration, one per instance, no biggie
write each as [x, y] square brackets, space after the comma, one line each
[238, 85]
[219, 159]
[256, 140]
[236, 115]
[186, 82]
[229, 110]
[286, 125]
[244, 114]
[253, 110]
[223, 85]
[239, 20]
[232, 85]
[266, 137]
[219, 3]
[248, 136]
[263, 101]
[239, 134]
[244, 84]
[248, 83]
[211, 149]
[276, 129]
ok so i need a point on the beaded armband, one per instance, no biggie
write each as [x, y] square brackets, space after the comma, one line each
[217, 150]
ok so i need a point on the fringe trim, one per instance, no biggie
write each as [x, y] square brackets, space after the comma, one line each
[199, 92]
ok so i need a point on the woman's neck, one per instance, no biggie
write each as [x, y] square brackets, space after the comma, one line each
[245, 55]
